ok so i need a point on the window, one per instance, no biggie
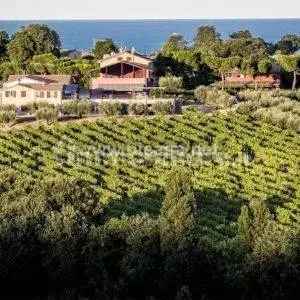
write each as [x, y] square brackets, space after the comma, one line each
[48, 94]
[42, 94]
[55, 94]
[7, 94]
[13, 94]
[37, 94]
[23, 94]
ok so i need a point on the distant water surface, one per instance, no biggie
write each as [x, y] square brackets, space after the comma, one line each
[148, 35]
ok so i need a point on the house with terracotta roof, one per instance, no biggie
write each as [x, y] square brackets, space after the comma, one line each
[125, 72]
[22, 89]
[237, 79]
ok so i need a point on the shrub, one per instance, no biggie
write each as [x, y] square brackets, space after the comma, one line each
[286, 106]
[246, 107]
[201, 93]
[284, 120]
[171, 83]
[162, 108]
[7, 117]
[138, 109]
[35, 106]
[70, 108]
[49, 114]
[113, 109]
[84, 108]
[219, 99]
[8, 107]
[214, 97]
[78, 108]
[158, 93]
[267, 101]
[249, 95]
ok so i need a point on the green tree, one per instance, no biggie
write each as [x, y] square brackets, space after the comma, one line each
[290, 64]
[85, 70]
[33, 40]
[242, 34]
[4, 40]
[261, 233]
[104, 47]
[227, 65]
[288, 44]
[174, 43]
[171, 83]
[222, 65]
[206, 36]
[9, 68]
[43, 64]
[178, 209]
[264, 66]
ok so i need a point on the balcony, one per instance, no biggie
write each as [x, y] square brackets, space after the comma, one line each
[120, 84]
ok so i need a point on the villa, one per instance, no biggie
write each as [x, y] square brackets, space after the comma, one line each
[124, 72]
[22, 89]
[237, 79]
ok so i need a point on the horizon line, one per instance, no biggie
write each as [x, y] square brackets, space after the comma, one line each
[155, 19]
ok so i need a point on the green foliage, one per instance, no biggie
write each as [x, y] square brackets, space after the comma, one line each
[171, 83]
[33, 40]
[178, 210]
[9, 68]
[43, 64]
[242, 34]
[85, 70]
[103, 47]
[48, 114]
[290, 63]
[274, 107]
[185, 63]
[8, 107]
[138, 109]
[206, 36]
[164, 108]
[157, 92]
[288, 44]
[7, 116]
[264, 66]
[261, 233]
[4, 40]
[36, 105]
[93, 205]
[174, 43]
[113, 109]
[215, 98]
[78, 108]
[201, 92]
[86, 204]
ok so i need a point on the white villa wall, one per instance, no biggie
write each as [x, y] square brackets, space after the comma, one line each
[31, 96]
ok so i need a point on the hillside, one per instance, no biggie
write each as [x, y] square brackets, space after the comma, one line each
[91, 209]
[243, 159]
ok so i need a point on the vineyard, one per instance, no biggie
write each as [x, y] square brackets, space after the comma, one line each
[233, 158]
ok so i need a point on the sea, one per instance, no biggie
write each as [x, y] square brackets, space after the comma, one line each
[147, 36]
